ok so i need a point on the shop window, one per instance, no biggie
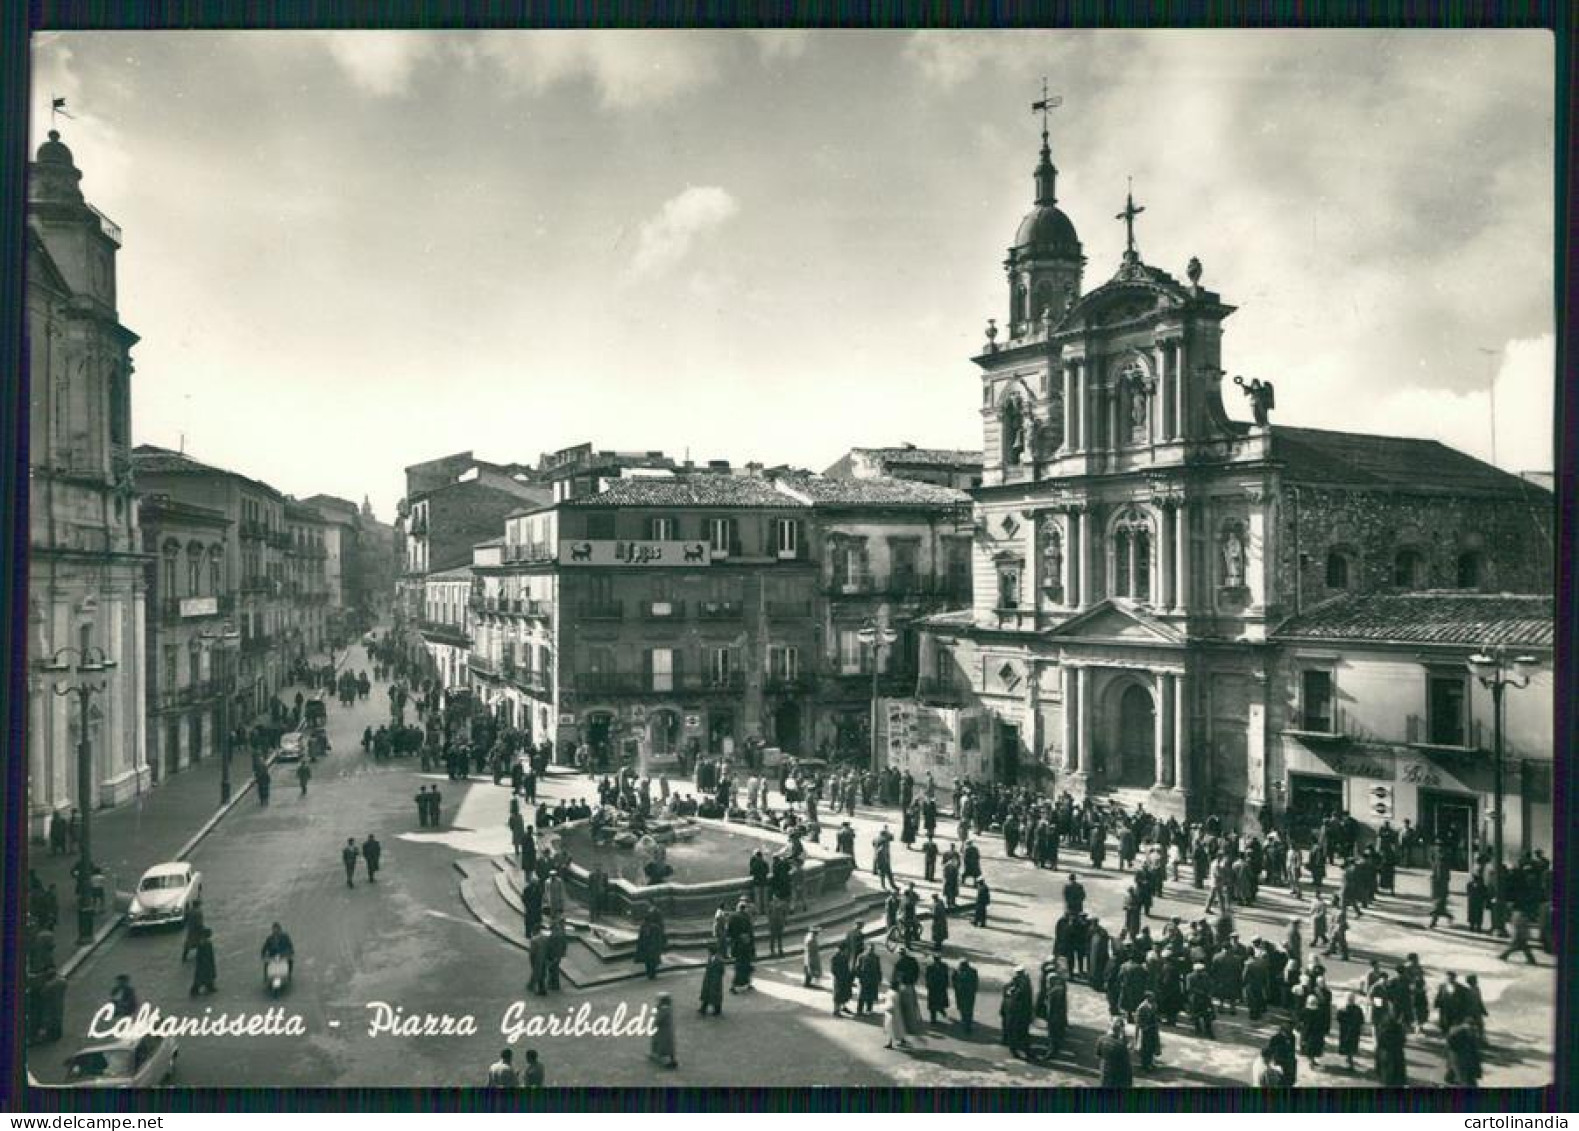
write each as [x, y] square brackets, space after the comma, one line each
[1315, 701]
[1447, 700]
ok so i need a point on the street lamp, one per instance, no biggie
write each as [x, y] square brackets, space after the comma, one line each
[876, 637]
[1498, 671]
[88, 662]
[223, 641]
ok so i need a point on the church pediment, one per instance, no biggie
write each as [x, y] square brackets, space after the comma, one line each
[1116, 620]
[1124, 301]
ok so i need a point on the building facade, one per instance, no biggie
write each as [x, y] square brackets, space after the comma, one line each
[192, 604]
[256, 555]
[306, 580]
[1136, 547]
[945, 467]
[86, 570]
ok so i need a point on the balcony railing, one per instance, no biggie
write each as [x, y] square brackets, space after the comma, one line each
[444, 630]
[257, 585]
[789, 610]
[652, 683]
[601, 610]
[482, 665]
[663, 610]
[529, 552]
[850, 584]
[539, 683]
[946, 691]
[718, 610]
[250, 529]
[790, 684]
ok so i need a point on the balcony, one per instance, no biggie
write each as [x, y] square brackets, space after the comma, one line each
[718, 610]
[789, 610]
[481, 665]
[257, 585]
[601, 610]
[797, 684]
[533, 682]
[443, 632]
[663, 610]
[253, 645]
[850, 585]
[945, 692]
[651, 683]
[856, 685]
[250, 529]
[281, 540]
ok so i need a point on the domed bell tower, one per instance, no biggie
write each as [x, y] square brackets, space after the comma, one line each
[1044, 266]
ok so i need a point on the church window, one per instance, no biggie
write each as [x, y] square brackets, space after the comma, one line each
[1337, 569]
[1130, 556]
[1009, 587]
[1408, 569]
[1053, 564]
[1469, 570]
[1121, 551]
[1141, 549]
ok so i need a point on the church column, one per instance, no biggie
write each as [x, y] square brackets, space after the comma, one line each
[1114, 421]
[1181, 558]
[1083, 555]
[1083, 719]
[1181, 733]
[1179, 382]
[1071, 721]
[1135, 538]
[1164, 720]
[1159, 416]
[1164, 597]
[1069, 406]
[1256, 549]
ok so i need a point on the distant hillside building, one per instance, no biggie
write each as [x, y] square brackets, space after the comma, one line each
[947, 467]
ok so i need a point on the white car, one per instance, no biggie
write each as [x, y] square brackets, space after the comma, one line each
[163, 895]
[293, 745]
[134, 1062]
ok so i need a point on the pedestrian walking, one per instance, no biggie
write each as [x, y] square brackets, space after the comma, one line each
[966, 982]
[983, 899]
[206, 972]
[664, 1048]
[348, 857]
[1520, 941]
[123, 998]
[811, 959]
[192, 926]
[303, 775]
[1351, 1019]
[713, 984]
[1112, 1052]
[372, 852]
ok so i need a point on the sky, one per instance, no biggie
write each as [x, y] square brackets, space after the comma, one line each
[346, 252]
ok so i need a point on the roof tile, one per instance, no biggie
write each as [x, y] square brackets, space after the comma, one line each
[1432, 617]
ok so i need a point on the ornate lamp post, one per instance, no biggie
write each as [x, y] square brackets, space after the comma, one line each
[86, 667]
[876, 637]
[1498, 671]
[220, 644]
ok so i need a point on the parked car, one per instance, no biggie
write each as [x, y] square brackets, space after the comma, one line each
[293, 744]
[132, 1062]
[163, 895]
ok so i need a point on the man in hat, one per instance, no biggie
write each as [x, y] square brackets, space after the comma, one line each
[966, 983]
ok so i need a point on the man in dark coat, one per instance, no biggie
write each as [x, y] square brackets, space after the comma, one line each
[843, 980]
[1257, 983]
[951, 880]
[206, 972]
[1463, 1056]
[966, 983]
[1112, 1053]
[532, 904]
[1100, 953]
[1074, 895]
[1198, 1000]
[869, 976]
[1392, 1069]
[1052, 1005]
[1227, 978]
[650, 943]
[348, 857]
[1016, 1013]
[937, 979]
[929, 859]
[1148, 1032]
[713, 984]
[983, 898]
[906, 971]
[372, 852]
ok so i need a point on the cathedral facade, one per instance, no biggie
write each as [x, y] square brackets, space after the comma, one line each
[1136, 549]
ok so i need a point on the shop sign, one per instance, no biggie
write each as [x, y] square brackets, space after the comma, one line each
[588, 552]
[1418, 773]
[1352, 765]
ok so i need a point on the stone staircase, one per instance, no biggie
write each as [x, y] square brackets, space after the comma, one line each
[604, 952]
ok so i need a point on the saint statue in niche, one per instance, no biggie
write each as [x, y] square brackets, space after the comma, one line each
[1052, 559]
[1233, 558]
[1013, 430]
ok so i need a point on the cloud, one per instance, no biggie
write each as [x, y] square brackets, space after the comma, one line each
[628, 68]
[379, 62]
[665, 239]
[97, 146]
[949, 58]
[778, 44]
[1525, 386]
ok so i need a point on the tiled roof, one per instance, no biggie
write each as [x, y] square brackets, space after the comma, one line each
[687, 491]
[925, 457]
[1433, 617]
[460, 573]
[822, 490]
[150, 459]
[1315, 456]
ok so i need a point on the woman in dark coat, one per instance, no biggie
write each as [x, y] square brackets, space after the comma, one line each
[1053, 1006]
[937, 988]
[1016, 1013]
[649, 945]
[843, 980]
[972, 861]
[713, 984]
[1312, 1029]
[745, 952]
[1113, 1055]
[207, 972]
[1351, 1020]
[1134, 985]
[1392, 1069]
[1170, 990]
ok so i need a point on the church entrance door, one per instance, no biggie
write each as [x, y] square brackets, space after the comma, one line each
[1137, 737]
